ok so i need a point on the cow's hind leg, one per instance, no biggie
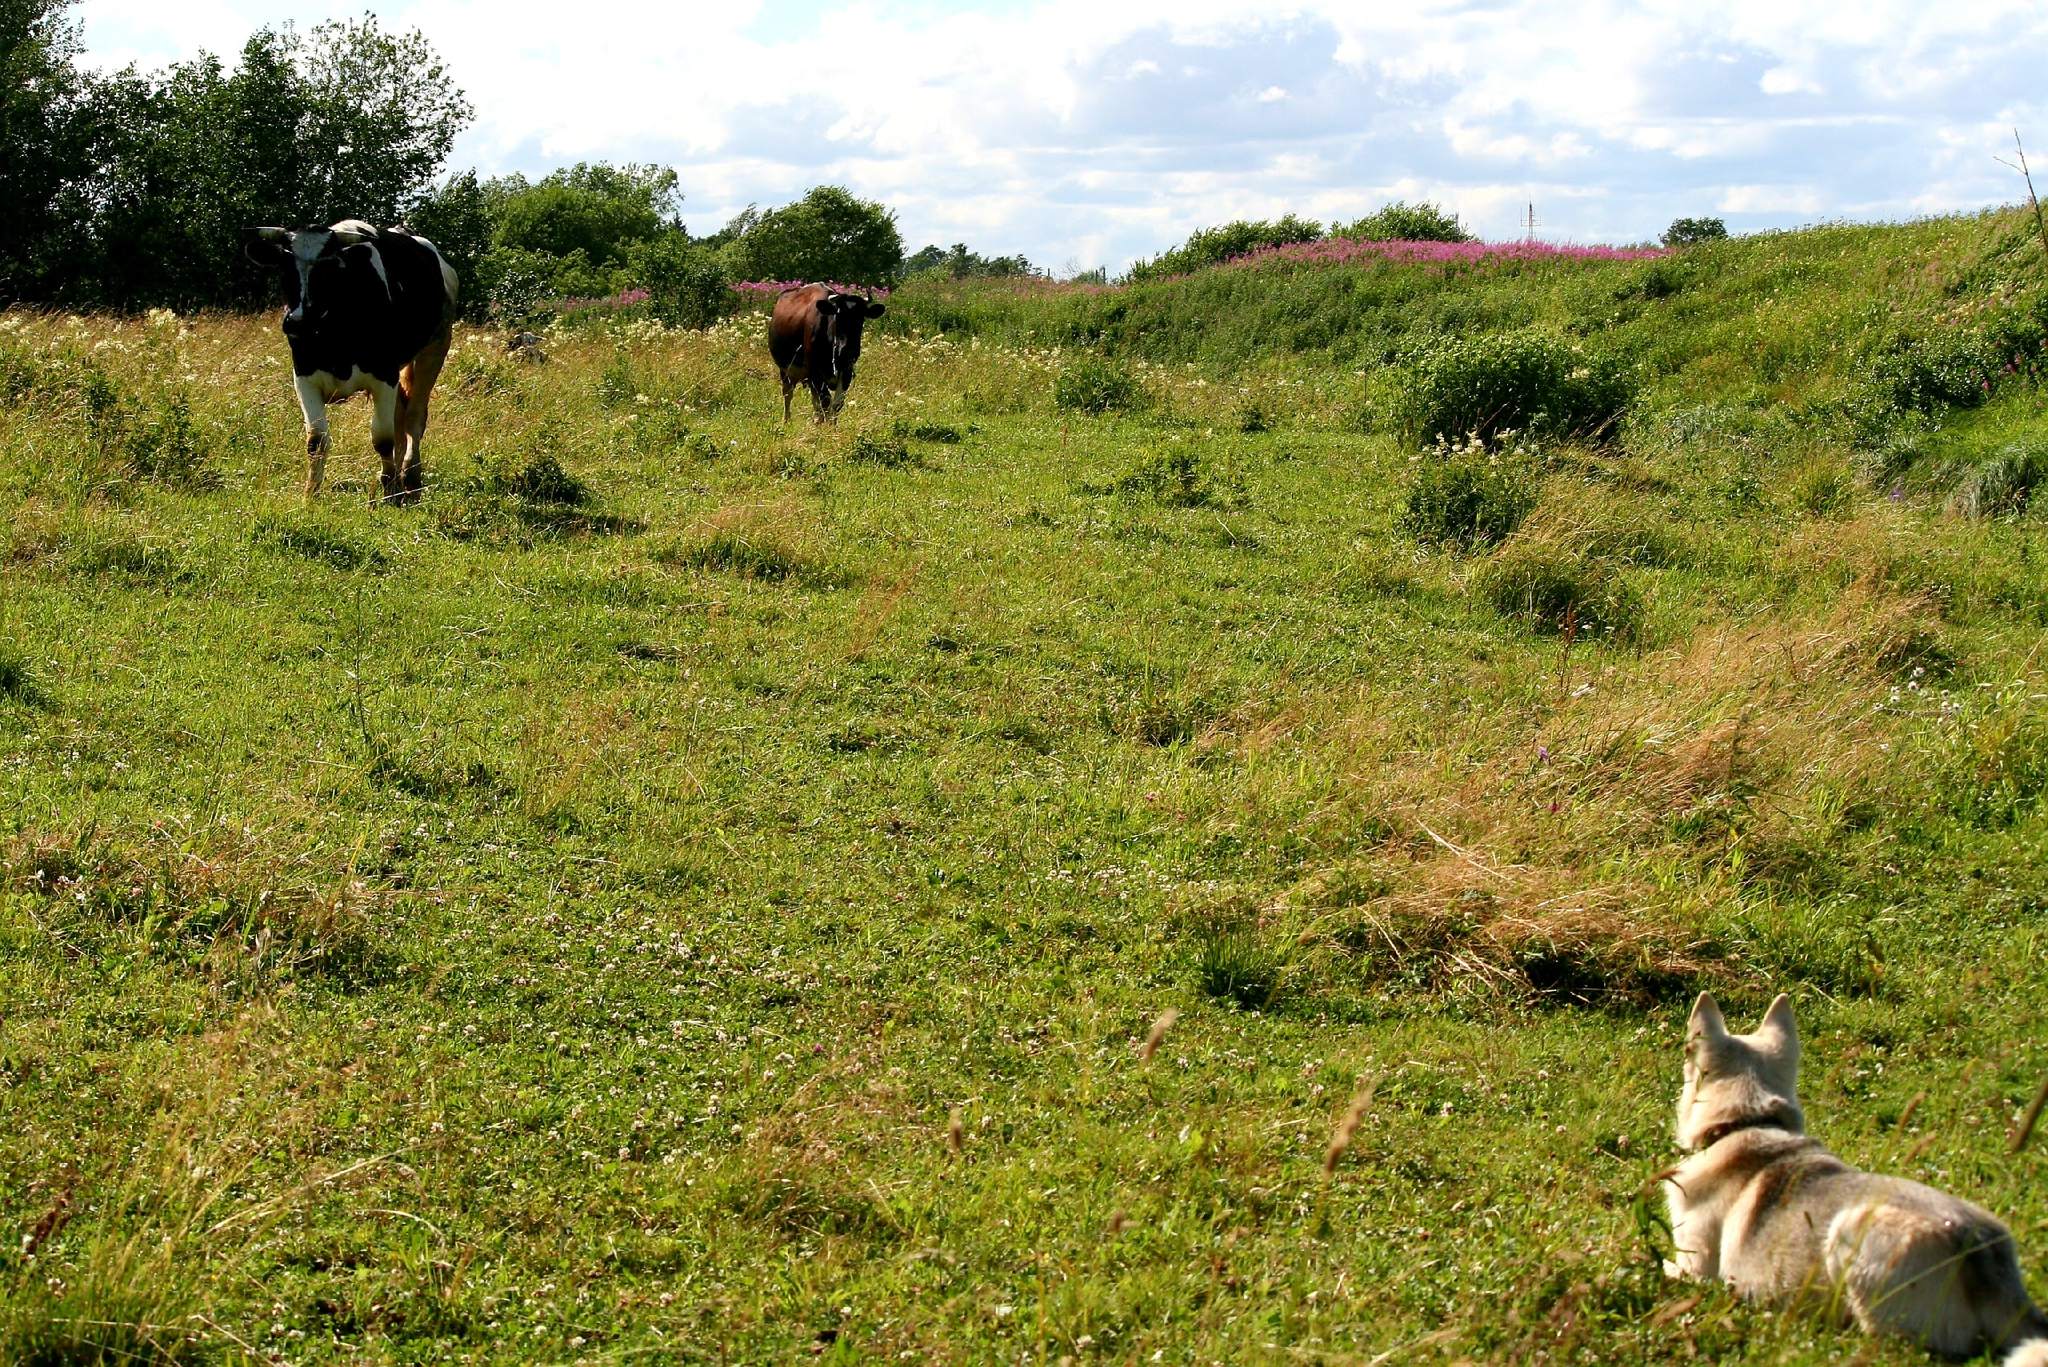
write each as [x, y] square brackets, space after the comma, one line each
[788, 388]
[415, 390]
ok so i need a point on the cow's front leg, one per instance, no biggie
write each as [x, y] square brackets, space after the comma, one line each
[384, 436]
[821, 403]
[314, 406]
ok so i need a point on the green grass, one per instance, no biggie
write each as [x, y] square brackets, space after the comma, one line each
[534, 927]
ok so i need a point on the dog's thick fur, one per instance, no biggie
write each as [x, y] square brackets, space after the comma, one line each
[1779, 1218]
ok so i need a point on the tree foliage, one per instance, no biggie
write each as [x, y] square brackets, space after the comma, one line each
[43, 136]
[1687, 232]
[1208, 246]
[601, 210]
[1401, 221]
[829, 234]
[128, 189]
[959, 263]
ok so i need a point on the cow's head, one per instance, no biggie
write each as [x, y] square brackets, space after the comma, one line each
[842, 316]
[326, 272]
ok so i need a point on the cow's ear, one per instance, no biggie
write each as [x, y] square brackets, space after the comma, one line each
[267, 246]
[875, 310]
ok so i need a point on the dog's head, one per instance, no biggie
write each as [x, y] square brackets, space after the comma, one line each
[1736, 1080]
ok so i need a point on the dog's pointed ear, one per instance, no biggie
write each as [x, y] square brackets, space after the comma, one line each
[1705, 1021]
[266, 246]
[1778, 1025]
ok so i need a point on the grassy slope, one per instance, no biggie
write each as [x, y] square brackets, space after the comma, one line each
[507, 931]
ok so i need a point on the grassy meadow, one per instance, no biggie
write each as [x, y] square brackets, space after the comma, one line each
[995, 879]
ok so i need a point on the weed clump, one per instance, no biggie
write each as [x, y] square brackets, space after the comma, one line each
[1096, 384]
[1181, 478]
[1465, 497]
[747, 557]
[322, 545]
[1824, 488]
[750, 549]
[472, 372]
[1237, 968]
[617, 385]
[1489, 385]
[158, 442]
[891, 452]
[540, 480]
[18, 681]
[203, 909]
[517, 504]
[2001, 485]
[943, 434]
[1555, 589]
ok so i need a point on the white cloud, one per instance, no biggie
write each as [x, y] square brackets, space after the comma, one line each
[1770, 199]
[1786, 80]
[1072, 129]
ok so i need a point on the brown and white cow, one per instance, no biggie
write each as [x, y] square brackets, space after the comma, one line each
[365, 308]
[814, 338]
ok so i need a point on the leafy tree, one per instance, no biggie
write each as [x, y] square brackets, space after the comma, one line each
[829, 234]
[604, 211]
[380, 116]
[959, 263]
[1208, 246]
[43, 138]
[1404, 222]
[129, 189]
[1687, 232]
[459, 216]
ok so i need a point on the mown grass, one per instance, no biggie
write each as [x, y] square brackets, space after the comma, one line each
[701, 889]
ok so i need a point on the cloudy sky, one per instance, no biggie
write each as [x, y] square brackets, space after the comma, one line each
[1089, 132]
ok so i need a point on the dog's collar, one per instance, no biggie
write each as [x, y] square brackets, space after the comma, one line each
[1773, 1119]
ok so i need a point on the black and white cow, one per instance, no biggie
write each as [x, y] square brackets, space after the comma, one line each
[365, 308]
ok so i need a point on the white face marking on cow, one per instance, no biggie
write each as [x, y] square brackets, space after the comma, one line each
[306, 249]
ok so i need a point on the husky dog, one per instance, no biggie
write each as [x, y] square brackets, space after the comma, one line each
[1782, 1220]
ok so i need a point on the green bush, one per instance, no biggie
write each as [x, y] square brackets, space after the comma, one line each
[1094, 384]
[157, 442]
[1466, 498]
[687, 285]
[1517, 381]
[1209, 246]
[516, 286]
[1554, 589]
[1401, 221]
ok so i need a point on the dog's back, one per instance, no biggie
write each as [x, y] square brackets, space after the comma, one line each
[1779, 1218]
